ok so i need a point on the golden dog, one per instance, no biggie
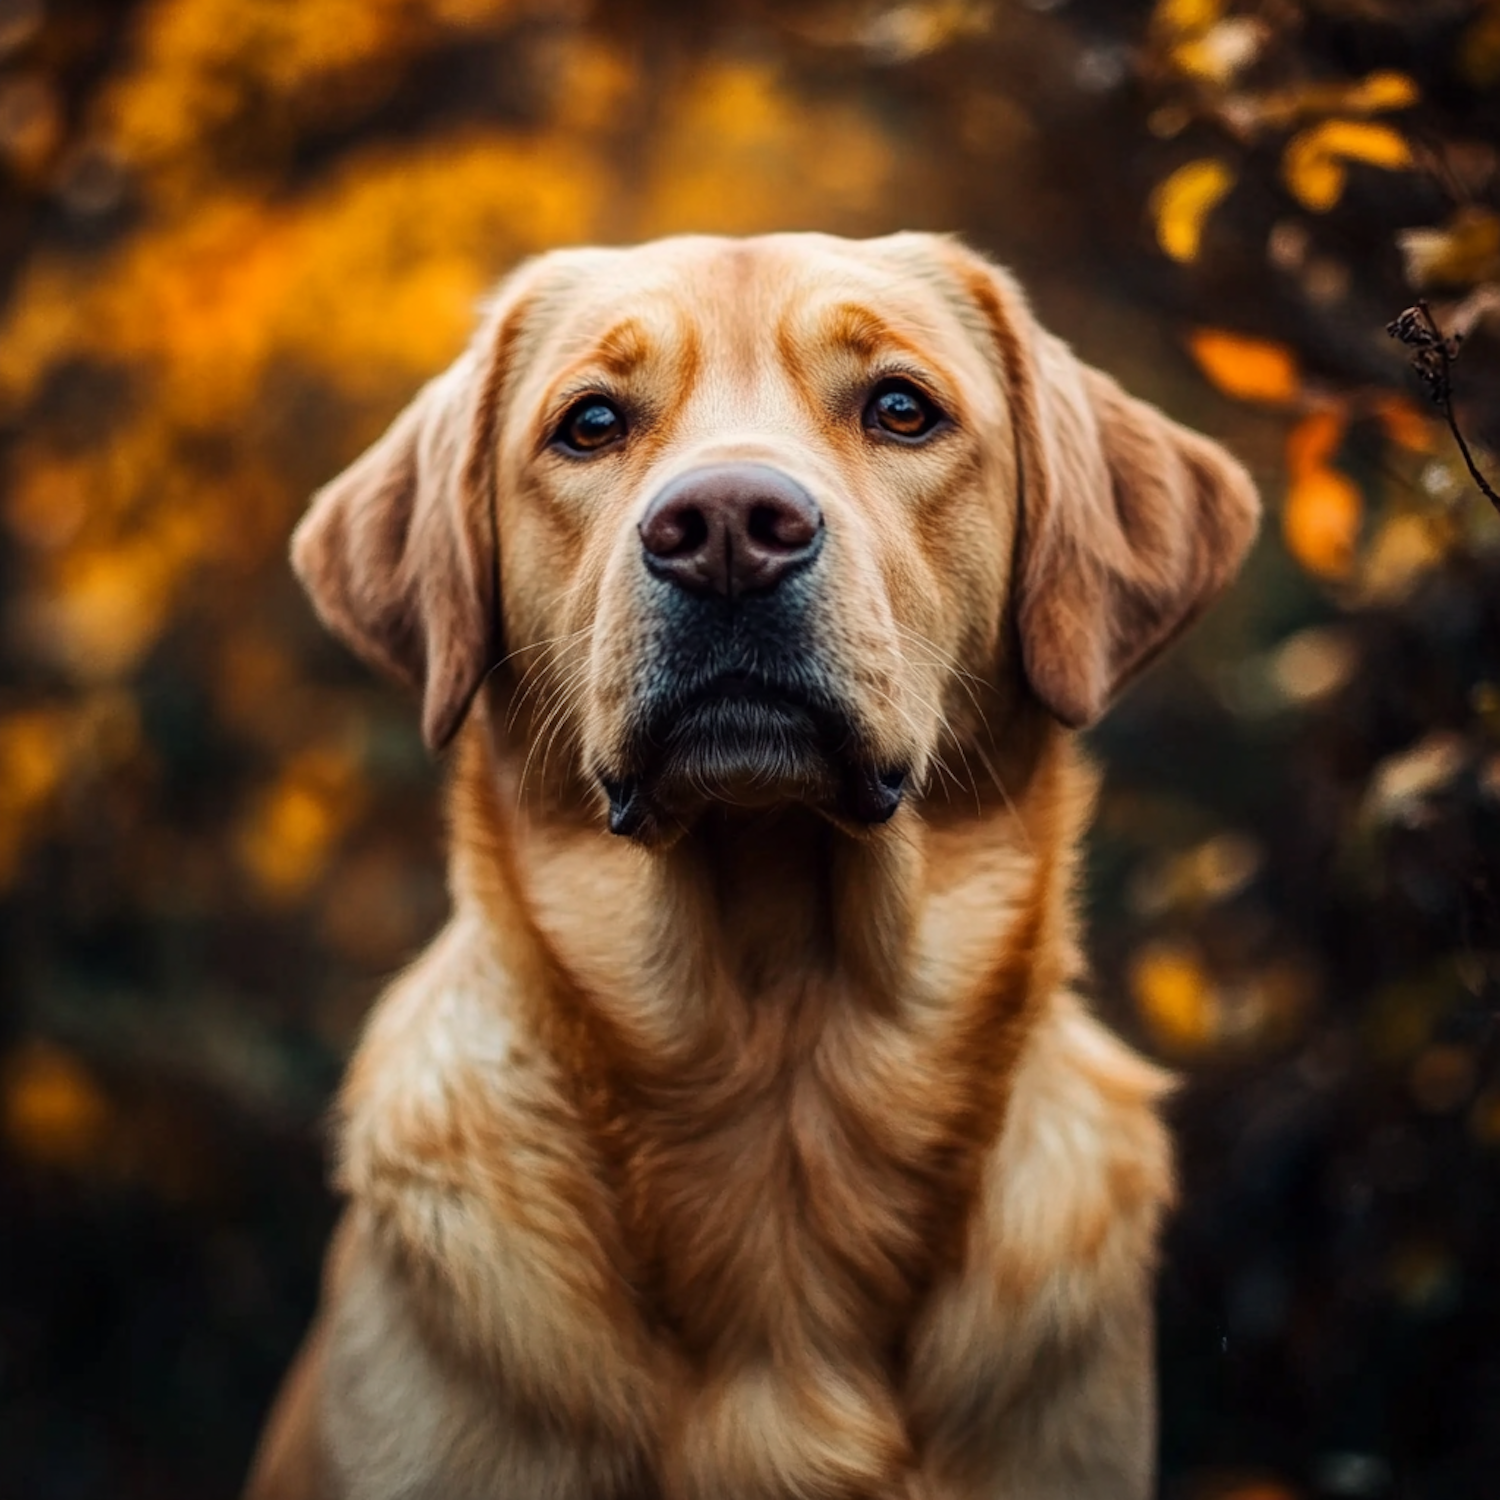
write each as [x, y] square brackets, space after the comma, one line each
[742, 1136]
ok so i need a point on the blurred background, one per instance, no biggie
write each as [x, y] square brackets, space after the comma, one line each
[235, 235]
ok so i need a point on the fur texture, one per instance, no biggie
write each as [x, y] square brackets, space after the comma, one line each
[767, 1153]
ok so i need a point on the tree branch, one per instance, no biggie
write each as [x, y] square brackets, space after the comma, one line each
[1433, 362]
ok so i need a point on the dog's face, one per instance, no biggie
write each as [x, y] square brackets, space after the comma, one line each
[767, 489]
[750, 521]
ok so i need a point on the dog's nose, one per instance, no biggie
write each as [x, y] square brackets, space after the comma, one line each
[731, 529]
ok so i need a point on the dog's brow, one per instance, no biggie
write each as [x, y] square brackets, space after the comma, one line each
[623, 347]
[855, 327]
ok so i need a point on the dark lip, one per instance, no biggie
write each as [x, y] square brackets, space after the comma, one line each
[866, 793]
[752, 687]
[832, 730]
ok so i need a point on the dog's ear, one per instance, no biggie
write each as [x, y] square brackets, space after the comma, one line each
[1130, 525]
[399, 552]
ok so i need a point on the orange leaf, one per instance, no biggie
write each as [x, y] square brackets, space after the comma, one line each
[52, 1109]
[1321, 521]
[1314, 440]
[290, 834]
[1245, 368]
[1404, 424]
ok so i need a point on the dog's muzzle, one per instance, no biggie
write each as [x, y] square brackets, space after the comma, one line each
[735, 703]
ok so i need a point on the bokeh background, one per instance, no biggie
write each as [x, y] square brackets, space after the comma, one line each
[235, 235]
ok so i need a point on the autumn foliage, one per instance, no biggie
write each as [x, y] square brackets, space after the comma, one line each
[237, 234]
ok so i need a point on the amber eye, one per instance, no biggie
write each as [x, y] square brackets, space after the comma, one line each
[899, 408]
[590, 424]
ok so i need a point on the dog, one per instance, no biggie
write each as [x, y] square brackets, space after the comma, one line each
[743, 1135]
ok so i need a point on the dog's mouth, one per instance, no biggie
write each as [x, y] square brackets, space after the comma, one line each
[747, 740]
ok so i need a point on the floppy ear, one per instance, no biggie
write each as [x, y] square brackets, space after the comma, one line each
[1130, 524]
[398, 553]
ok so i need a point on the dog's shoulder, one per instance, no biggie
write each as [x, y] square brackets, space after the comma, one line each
[442, 1030]
[464, 1155]
[1054, 1296]
[1083, 1169]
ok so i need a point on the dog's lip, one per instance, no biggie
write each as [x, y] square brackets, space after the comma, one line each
[861, 788]
[826, 723]
[871, 795]
[752, 687]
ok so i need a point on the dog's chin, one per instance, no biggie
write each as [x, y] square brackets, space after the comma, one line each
[750, 751]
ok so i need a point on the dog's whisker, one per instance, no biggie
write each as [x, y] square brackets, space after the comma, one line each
[559, 720]
[535, 674]
[563, 668]
[966, 747]
[559, 705]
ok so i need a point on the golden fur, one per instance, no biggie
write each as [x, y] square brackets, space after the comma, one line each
[767, 1153]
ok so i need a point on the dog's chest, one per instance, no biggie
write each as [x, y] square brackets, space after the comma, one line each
[793, 1197]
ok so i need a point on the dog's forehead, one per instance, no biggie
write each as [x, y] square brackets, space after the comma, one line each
[733, 292]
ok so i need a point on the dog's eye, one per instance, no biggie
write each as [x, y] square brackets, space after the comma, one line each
[589, 425]
[899, 408]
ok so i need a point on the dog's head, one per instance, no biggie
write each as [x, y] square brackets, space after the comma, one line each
[752, 521]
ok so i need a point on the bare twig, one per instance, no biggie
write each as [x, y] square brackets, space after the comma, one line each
[1433, 362]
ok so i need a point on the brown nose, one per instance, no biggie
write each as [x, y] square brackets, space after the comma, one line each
[731, 529]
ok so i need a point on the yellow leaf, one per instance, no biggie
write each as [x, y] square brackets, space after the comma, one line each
[1321, 521]
[1405, 550]
[1174, 996]
[1314, 162]
[1363, 140]
[1182, 203]
[1315, 178]
[1378, 92]
[1186, 16]
[1245, 368]
[1463, 251]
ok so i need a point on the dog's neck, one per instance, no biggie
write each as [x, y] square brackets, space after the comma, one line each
[767, 895]
[791, 1050]
[772, 897]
